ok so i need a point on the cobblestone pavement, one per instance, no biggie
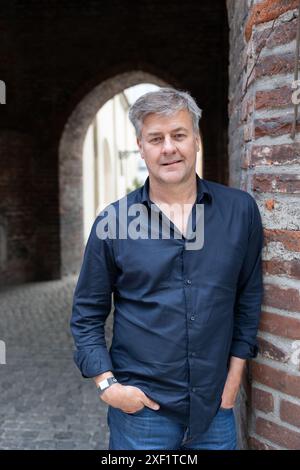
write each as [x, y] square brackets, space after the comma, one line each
[44, 401]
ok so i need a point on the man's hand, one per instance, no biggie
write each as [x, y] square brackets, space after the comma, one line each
[129, 399]
[233, 382]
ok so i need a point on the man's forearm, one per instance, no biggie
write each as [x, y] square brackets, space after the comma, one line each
[236, 368]
[233, 382]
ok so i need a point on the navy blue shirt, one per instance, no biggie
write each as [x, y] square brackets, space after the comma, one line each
[179, 314]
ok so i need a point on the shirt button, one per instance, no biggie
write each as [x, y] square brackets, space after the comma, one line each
[192, 317]
[188, 282]
[194, 389]
[193, 354]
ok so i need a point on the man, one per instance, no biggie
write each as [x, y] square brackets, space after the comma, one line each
[185, 319]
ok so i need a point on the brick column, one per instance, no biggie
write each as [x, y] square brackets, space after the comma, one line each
[265, 162]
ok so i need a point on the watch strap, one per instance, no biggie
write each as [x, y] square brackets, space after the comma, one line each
[106, 383]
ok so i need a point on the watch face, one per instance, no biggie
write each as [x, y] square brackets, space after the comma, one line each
[104, 384]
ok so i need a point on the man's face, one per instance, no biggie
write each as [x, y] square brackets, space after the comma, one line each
[169, 146]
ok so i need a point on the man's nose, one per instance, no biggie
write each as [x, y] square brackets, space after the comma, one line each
[168, 146]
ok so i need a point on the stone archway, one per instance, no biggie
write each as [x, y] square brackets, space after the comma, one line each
[70, 162]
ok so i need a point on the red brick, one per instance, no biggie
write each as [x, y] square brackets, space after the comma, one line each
[280, 297]
[275, 98]
[290, 412]
[271, 351]
[279, 325]
[286, 268]
[275, 378]
[262, 400]
[280, 435]
[283, 33]
[256, 444]
[290, 239]
[274, 127]
[284, 154]
[271, 65]
[278, 183]
[267, 10]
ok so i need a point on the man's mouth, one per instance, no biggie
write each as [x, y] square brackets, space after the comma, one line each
[172, 163]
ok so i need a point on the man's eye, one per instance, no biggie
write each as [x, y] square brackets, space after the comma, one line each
[155, 140]
[179, 136]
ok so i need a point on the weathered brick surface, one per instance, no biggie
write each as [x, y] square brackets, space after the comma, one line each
[286, 298]
[267, 10]
[269, 350]
[274, 64]
[276, 183]
[269, 38]
[276, 324]
[275, 98]
[277, 379]
[282, 268]
[283, 154]
[290, 240]
[278, 434]
[290, 412]
[274, 127]
[256, 444]
[265, 161]
[262, 400]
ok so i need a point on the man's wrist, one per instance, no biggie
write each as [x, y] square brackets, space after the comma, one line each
[103, 376]
[105, 384]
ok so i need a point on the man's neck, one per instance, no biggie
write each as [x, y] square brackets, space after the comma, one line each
[182, 193]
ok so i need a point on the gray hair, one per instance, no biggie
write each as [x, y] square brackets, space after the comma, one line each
[165, 101]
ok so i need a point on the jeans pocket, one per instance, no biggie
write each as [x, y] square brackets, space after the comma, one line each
[225, 410]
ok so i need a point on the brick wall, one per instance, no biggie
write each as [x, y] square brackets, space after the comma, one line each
[264, 160]
[17, 220]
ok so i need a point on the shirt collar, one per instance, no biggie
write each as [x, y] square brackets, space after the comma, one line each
[202, 190]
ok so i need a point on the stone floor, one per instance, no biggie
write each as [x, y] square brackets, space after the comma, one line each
[44, 401]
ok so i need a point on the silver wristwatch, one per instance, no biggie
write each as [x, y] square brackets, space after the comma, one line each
[104, 384]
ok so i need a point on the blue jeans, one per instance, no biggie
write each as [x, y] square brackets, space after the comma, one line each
[146, 429]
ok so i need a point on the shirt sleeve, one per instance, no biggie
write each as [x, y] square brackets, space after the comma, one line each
[92, 304]
[249, 296]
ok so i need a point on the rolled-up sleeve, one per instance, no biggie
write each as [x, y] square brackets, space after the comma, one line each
[92, 304]
[249, 291]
